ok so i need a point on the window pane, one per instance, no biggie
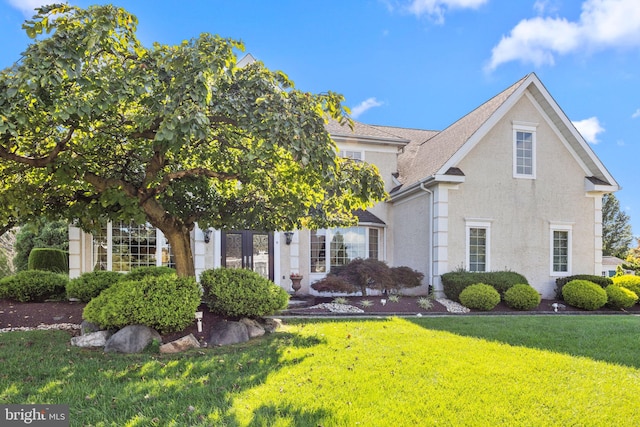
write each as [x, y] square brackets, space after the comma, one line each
[373, 243]
[132, 246]
[347, 244]
[318, 252]
[477, 249]
[524, 153]
[560, 251]
[100, 249]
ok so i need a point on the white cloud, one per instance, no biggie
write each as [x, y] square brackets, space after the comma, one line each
[27, 6]
[436, 9]
[603, 24]
[636, 114]
[365, 105]
[589, 129]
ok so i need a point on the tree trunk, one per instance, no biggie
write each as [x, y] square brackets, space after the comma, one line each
[180, 241]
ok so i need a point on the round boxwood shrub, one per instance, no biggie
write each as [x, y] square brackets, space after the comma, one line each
[139, 273]
[628, 281]
[241, 293]
[33, 285]
[166, 303]
[522, 297]
[480, 296]
[49, 259]
[620, 297]
[89, 285]
[584, 294]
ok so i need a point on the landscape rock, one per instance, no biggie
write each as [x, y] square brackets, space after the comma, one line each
[87, 327]
[227, 332]
[181, 344]
[93, 339]
[271, 325]
[253, 327]
[131, 339]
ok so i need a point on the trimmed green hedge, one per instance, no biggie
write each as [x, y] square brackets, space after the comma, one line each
[241, 293]
[522, 297]
[456, 281]
[480, 296]
[33, 285]
[602, 281]
[166, 303]
[584, 294]
[89, 285]
[620, 297]
[49, 259]
[628, 281]
[139, 273]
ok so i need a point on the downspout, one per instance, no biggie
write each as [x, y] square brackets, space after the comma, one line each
[430, 236]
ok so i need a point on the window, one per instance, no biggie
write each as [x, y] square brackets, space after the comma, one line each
[524, 150]
[124, 246]
[353, 155]
[560, 250]
[345, 245]
[478, 239]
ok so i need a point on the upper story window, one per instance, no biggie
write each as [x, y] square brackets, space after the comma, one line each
[524, 150]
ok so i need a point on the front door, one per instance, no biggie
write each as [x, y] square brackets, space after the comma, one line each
[252, 250]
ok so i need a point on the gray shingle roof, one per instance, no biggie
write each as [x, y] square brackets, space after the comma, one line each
[423, 159]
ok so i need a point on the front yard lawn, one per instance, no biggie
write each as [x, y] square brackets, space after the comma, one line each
[471, 370]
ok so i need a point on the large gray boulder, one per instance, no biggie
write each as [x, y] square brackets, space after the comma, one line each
[253, 327]
[131, 339]
[93, 339]
[227, 332]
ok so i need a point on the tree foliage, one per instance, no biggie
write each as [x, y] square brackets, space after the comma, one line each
[95, 126]
[616, 229]
[39, 234]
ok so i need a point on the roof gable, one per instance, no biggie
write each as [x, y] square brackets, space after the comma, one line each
[434, 157]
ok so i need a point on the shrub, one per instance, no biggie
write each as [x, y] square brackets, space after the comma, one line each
[333, 283]
[362, 274]
[166, 303]
[49, 259]
[238, 293]
[89, 285]
[139, 273]
[33, 285]
[522, 297]
[602, 281]
[628, 281]
[584, 294]
[620, 297]
[456, 281]
[480, 296]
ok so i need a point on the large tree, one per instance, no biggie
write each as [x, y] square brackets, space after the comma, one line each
[94, 126]
[616, 229]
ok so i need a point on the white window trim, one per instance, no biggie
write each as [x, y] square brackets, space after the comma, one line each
[524, 127]
[569, 229]
[160, 244]
[348, 154]
[478, 224]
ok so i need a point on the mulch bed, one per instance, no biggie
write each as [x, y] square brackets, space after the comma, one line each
[32, 314]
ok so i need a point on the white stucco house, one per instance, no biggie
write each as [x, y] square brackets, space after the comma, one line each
[510, 186]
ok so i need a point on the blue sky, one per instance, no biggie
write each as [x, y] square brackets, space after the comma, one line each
[425, 63]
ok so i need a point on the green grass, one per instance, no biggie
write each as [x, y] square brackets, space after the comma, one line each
[467, 370]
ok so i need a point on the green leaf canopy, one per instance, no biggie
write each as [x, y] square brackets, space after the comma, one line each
[94, 126]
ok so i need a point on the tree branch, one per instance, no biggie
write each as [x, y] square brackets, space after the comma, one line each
[39, 162]
[101, 184]
[191, 172]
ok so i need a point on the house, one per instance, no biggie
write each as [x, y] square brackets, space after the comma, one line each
[511, 185]
[610, 265]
